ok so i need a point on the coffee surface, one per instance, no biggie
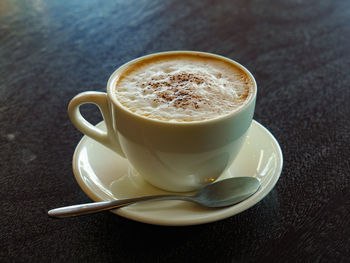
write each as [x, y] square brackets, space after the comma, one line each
[183, 88]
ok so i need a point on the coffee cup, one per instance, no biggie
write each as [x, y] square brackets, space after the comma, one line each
[175, 155]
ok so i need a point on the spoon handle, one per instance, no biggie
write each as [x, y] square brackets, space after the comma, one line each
[84, 209]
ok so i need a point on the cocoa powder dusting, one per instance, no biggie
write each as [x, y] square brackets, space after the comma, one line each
[179, 89]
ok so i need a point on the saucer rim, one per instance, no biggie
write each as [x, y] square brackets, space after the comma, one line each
[226, 212]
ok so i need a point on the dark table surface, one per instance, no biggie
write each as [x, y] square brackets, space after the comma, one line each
[299, 52]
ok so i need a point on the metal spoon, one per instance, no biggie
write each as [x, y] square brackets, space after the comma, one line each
[220, 194]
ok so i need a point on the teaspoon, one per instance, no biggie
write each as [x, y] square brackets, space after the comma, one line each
[223, 193]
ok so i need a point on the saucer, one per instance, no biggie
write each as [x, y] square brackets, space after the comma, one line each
[104, 175]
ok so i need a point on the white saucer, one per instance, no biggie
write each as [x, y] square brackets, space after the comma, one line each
[104, 175]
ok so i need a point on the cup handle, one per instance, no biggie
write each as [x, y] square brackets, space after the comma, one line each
[100, 99]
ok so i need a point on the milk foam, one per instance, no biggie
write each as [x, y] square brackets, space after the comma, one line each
[183, 88]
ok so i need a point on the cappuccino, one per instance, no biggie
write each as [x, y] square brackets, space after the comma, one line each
[179, 117]
[183, 88]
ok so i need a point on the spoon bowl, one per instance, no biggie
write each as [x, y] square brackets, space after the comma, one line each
[227, 192]
[222, 193]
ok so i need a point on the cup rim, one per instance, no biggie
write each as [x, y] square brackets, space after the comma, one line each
[114, 77]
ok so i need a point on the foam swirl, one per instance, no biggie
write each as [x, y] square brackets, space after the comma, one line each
[183, 88]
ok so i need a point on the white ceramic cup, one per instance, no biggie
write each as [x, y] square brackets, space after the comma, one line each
[179, 157]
